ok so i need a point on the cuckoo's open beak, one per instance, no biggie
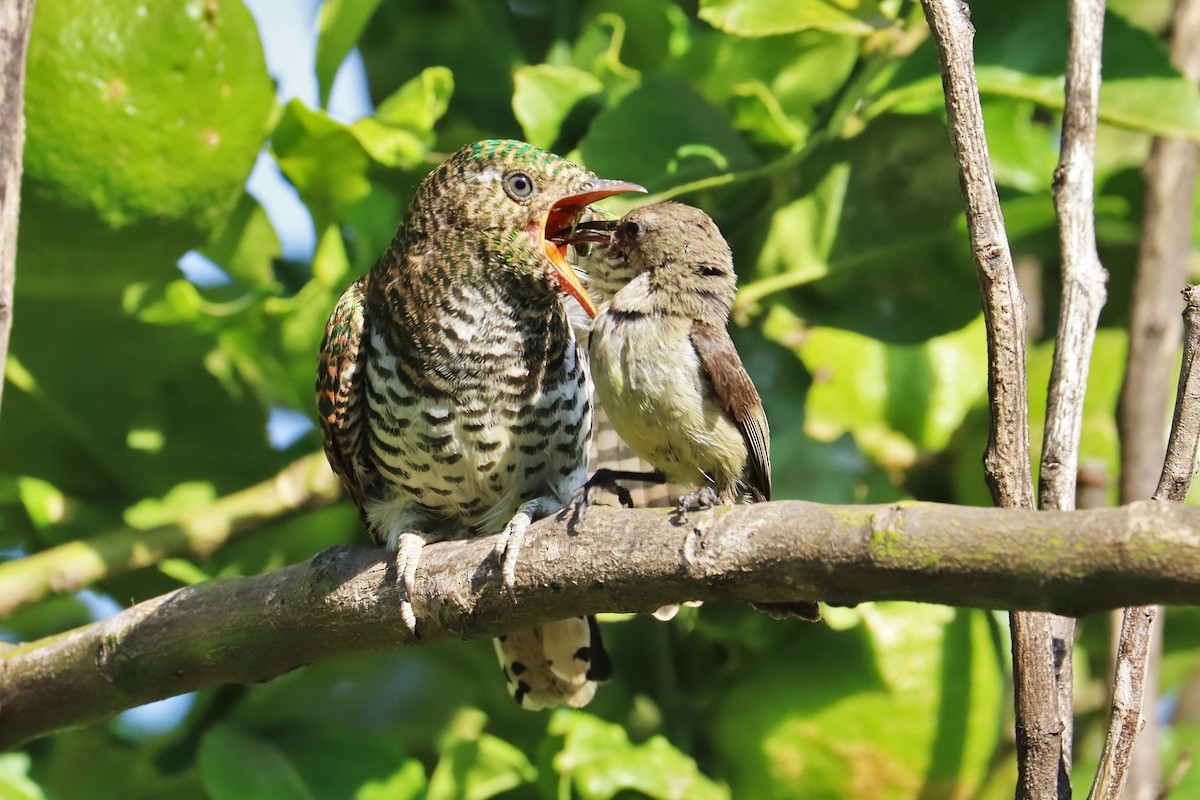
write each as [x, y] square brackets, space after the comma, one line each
[559, 224]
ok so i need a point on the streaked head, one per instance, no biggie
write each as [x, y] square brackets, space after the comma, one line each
[520, 200]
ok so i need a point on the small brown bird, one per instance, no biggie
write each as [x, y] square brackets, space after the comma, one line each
[663, 362]
[665, 367]
[452, 394]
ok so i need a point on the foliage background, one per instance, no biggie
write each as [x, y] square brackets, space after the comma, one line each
[812, 130]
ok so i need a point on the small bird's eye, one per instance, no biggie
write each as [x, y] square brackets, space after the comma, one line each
[518, 186]
[631, 229]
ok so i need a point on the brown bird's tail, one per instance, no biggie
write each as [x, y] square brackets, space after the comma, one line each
[558, 664]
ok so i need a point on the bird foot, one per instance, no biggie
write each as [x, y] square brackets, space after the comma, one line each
[698, 500]
[508, 547]
[408, 556]
[607, 479]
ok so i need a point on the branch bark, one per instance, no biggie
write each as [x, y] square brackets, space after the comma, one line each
[1154, 332]
[303, 486]
[1132, 674]
[1007, 461]
[16, 19]
[346, 599]
[1083, 295]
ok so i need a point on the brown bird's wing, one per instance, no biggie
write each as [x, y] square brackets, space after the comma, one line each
[341, 371]
[737, 394]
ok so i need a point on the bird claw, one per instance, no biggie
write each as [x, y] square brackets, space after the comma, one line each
[586, 496]
[701, 499]
[408, 556]
[508, 547]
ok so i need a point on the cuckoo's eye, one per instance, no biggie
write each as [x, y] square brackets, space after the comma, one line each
[519, 186]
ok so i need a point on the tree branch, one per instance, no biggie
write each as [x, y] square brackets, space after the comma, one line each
[16, 18]
[1083, 295]
[1137, 624]
[1154, 331]
[346, 599]
[302, 486]
[1007, 461]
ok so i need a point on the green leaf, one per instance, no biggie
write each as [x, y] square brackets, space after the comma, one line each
[545, 96]
[772, 17]
[419, 104]
[340, 23]
[406, 783]
[877, 258]
[335, 759]
[1023, 148]
[897, 400]
[401, 131]
[1020, 52]
[15, 783]
[323, 159]
[475, 765]
[663, 134]
[908, 702]
[246, 246]
[237, 766]
[600, 762]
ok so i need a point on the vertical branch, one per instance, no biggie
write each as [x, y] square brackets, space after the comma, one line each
[1006, 462]
[1154, 331]
[1007, 459]
[1133, 654]
[1083, 295]
[1083, 292]
[1154, 327]
[16, 17]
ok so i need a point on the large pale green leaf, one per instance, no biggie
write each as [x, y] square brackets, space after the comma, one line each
[897, 400]
[901, 701]
[545, 95]
[661, 135]
[771, 17]
[416, 107]
[323, 159]
[600, 763]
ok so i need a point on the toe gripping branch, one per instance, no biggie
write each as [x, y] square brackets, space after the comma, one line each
[607, 480]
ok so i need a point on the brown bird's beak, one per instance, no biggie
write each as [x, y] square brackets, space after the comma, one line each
[559, 224]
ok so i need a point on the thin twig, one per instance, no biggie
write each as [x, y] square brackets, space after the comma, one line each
[1133, 655]
[302, 486]
[345, 600]
[16, 18]
[1154, 333]
[1083, 295]
[1007, 464]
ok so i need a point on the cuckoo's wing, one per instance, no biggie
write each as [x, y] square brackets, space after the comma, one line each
[341, 405]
